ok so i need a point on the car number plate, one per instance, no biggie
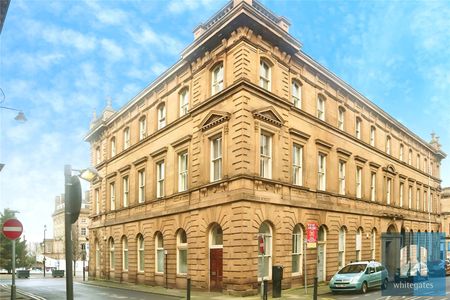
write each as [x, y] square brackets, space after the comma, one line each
[340, 285]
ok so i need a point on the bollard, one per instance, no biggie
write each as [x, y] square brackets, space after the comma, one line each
[265, 290]
[188, 289]
[315, 289]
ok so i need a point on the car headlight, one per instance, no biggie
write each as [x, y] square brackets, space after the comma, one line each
[355, 279]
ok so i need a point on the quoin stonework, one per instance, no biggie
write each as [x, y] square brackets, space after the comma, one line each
[246, 136]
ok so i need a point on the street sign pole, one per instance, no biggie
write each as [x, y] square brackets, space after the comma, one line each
[305, 268]
[68, 231]
[13, 258]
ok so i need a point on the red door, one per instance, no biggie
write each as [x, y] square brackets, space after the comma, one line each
[215, 269]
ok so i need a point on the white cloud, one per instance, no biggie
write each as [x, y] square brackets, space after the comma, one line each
[180, 6]
[148, 38]
[107, 16]
[113, 51]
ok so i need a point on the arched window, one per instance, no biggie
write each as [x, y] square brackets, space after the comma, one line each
[112, 260]
[97, 256]
[216, 237]
[142, 128]
[358, 244]
[321, 107]
[182, 252]
[140, 253]
[372, 136]
[113, 147]
[184, 102]
[410, 157]
[126, 138]
[159, 249]
[124, 254]
[297, 94]
[341, 118]
[297, 250]
[418, 161]
[341, 247]
[265, 75]
[373, 240]
[265, 260]
[217, 79]
[161, 115]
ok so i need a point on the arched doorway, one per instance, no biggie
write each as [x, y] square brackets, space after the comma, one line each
[391, 250]
[321, 254]
[215, 258]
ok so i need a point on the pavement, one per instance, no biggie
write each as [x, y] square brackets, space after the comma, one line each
[289, 294]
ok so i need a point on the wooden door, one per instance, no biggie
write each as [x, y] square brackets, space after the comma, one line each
[215, 269]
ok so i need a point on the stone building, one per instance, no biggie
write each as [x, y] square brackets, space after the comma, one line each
[55, 247]
[445, 215]
[246, 136]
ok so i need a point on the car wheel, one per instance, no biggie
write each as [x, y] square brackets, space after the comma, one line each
[364, 287]
[385, 284]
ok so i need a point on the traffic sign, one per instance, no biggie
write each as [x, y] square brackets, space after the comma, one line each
[12, 229]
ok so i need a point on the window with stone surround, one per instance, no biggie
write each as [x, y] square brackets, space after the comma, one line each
[341, 247]
[265, 155]
[141, 186]
[409, 197]
[126, 190]
[265, 260]
[182, 247]
[124, 254]
[321, 107]
[372, 135]
[388, 190]
[142, 128]
[373, 186]
[341, 177]
[358, 182]
[358, 128]
[265, 75]
[400, 192]
[217, 79]
[97, 256]
[297, 165]
[182, 171]
[97, 201]
[373, 240]
[358, 244]
[297, 94]
[410, 157]
[341, 118]
[160, 177]
[113, 147]
[184, 101]
[322, 172]
[112, 259]
[388, 145]
[297, 250]
[140, 253]
[126, 138]
[159, 249]
[216, 158]
[98, 156]
[400, 154]
[112, 196]
[161, 115]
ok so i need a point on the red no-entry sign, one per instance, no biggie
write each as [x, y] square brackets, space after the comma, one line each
[12, 229]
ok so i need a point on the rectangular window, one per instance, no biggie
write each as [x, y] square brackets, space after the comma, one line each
[141, 182]
[400, 155]
[388, 191]
[296, 94]
[297, 252]
[373, 186]
[161, 116]
[425, 200]
[265, 154]
[182, 171]
[125, 255]
[418, 161]
[372, 136]
[264, 75]
[322, 172]
[341, 177]
[159, 254]
[358, 182]
[126, 138]
[402, 186]
[160, 179]
[184, 102]
[297, 163]
[410, 157]
[418, 199]
[141, 254]
[358, 128]
[83, 231]
[388, 145]
[341, 118]
[321, 108]
[410, 197]
[341, 248]
[125, 191]
[97, 155]
[142, 128]
[113, 147]
[112, 196]
[425, 165]
[97, 201]
[217, 80]
[216, 159]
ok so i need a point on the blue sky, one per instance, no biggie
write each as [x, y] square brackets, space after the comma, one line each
[61, 60]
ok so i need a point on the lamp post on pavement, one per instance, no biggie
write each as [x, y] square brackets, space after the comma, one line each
[43, 261]
[72, 206]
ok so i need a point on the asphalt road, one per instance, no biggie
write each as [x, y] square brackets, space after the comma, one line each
[55, 289]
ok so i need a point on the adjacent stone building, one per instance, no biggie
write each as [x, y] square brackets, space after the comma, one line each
[445, 216]
[246, 136]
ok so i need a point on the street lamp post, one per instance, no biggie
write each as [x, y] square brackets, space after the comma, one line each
[72, 206]
[43, 261]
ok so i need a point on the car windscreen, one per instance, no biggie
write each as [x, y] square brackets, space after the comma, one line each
[356, 268]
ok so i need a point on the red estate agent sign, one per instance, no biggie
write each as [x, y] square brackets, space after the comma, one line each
[311, 234]
[261, 245]
[12, 229]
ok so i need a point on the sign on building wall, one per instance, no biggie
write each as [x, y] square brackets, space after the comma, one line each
[312, 230]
